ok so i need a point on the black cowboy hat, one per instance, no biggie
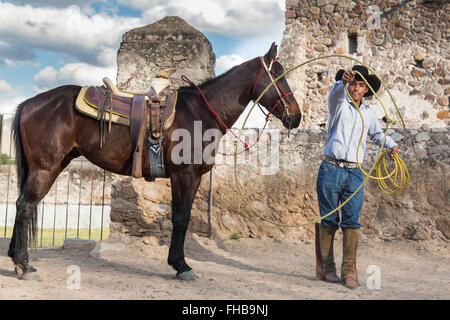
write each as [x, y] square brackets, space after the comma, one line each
[372, 79]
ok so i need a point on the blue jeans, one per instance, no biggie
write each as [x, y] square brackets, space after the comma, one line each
[334, 186]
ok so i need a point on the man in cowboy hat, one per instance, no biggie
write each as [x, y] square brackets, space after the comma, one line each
[339, 175]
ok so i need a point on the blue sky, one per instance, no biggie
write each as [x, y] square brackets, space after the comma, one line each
[48, 43]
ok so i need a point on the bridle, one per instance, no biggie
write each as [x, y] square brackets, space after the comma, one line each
[280, 92]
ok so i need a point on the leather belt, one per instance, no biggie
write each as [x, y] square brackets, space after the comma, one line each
[342, 163]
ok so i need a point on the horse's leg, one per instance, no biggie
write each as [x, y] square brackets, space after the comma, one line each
[184, 189]
[37, 185]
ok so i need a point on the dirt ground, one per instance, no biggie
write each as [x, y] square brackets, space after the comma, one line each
[228, 269]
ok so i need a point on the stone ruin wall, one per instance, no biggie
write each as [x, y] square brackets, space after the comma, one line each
[409, 50]
[137, 207]
[169, 42]
[421, 212]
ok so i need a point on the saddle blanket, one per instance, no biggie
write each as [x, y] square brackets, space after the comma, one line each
[121, 113]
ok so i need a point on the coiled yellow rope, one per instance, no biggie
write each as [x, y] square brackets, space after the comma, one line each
[399, 177]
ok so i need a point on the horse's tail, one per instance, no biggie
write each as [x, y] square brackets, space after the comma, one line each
[21, 160]
[22, 166]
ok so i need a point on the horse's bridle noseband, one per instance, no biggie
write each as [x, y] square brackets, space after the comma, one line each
[280, 92]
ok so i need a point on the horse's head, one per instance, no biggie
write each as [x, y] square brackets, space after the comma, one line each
[279, 99]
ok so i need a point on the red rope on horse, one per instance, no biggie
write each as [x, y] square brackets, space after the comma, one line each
[284, 95]
[185, 79]
[246, 146]
[257, 79]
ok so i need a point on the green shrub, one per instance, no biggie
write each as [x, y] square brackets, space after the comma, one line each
[5, 159]
[236, 236]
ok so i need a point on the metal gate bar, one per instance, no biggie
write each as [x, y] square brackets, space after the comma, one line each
[7, 183]
[51, 233]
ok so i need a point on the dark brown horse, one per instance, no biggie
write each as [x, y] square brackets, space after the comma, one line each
[49, 133]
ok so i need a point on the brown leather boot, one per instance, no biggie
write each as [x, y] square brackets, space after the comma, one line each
[349, 273]
[326, 236]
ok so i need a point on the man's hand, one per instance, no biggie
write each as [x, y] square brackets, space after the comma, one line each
[394, 151]
[348, 76]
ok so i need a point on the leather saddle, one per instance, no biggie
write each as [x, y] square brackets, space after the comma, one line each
[143, 112]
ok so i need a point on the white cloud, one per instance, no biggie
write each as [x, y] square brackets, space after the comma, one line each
[9, 97]
[69, 31]
[8, 62]
[91, 38]
[73, 73]
[85, 5]
[226, 62]
[5, 87]
[232, 18]
[9, 104]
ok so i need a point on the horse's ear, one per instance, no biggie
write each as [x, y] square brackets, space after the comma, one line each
[271, 54]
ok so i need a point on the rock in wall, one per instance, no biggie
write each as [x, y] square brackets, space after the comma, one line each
[405, 42]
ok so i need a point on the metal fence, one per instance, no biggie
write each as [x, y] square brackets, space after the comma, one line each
[77, 205]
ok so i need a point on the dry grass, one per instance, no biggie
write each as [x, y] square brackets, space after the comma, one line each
[55, 238]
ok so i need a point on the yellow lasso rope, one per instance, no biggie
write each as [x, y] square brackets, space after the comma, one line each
[399, 172]
[399, 165]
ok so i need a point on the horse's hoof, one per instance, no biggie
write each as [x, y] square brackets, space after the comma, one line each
[18, 270]
[27, 275]
[30, 276]
[187, 275]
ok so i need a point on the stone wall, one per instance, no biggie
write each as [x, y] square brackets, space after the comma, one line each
[407, 47]
[420, 212]
[138, 207]
[288, 195]
[169, 42]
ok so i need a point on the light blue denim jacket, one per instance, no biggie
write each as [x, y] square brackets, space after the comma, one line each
[345, 126]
